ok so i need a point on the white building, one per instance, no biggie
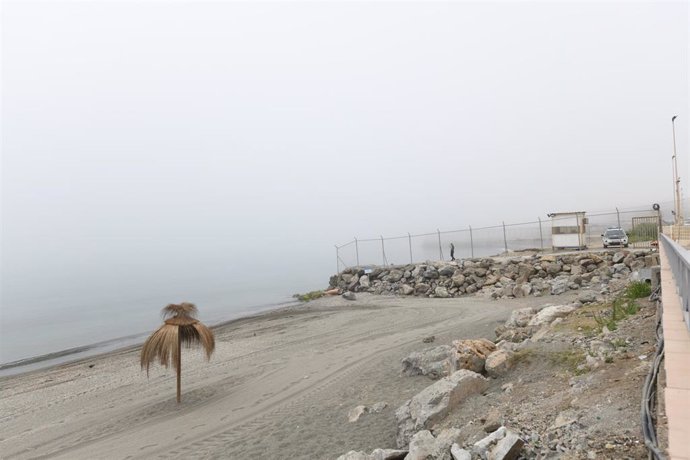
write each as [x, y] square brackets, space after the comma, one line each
[568, 230]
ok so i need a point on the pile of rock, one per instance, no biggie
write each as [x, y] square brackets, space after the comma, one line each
[433, 403]
[497, 277]
[460, 370]
[441, 361]
[502, 444]
[477, 355]
[426, 409]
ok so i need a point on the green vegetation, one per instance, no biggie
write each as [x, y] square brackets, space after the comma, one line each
[643, 232]
[523, 355]
[308, 296]
[623, 306]
[570, 359]
[619, 343]
[637, 289]
[591, 319]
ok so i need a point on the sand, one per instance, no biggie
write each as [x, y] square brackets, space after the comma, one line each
[279, 385]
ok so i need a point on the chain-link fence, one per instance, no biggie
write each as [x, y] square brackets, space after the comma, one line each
[497, 239]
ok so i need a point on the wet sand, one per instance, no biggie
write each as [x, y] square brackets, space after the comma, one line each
[279, 385]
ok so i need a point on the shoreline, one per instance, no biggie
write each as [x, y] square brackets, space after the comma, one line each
[96, 350]
[280, 384]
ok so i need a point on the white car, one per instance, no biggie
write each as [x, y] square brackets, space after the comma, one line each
[615, 236]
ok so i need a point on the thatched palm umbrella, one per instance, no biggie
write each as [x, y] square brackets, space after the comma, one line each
[180, 327]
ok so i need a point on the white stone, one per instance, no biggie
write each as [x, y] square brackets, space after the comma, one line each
[498, 363]
[434, 402]
[548, 314]
[481, 447]
[507, 448]
[459, 454]
[435, 362]
[520, 317]
[355, 413]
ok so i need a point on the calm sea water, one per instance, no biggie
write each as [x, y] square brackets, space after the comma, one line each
[68, 307]
[66, 296]
[44, 324]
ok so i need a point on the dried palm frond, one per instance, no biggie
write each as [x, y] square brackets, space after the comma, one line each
[161, 346]
[186, 309]
[180, 327]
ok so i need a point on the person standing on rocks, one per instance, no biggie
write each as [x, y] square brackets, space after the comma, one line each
[452, 251]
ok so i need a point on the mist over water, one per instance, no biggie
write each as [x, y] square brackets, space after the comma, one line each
[155, 152]
[83, 291]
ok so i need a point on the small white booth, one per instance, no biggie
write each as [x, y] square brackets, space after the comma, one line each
[568, 230]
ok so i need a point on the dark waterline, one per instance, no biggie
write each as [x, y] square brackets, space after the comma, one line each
[78, 353]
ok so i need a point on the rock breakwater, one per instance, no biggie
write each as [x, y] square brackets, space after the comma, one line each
[498, 277]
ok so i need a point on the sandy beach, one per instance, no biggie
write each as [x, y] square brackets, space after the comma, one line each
[279, 385]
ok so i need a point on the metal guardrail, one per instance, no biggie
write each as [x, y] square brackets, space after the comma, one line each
[679, 259]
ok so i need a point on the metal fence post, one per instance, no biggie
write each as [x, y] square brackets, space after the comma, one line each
[409, 241]
[505, 240]
[471, 243]
[440, 250]
[357, 250]
[541, 235]
[618, 217]
[383, 252]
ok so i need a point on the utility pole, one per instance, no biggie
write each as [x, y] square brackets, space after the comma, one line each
[676, 180]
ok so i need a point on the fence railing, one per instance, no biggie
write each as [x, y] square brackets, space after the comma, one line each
[679, 259]
[678, 232]
[470, 242]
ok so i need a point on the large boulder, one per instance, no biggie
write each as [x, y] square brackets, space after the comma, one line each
[377, 454]
[447, 270]
[520, 317]
[553, 268]
[459, 453]
[540, 287]
[522, 290]
[422, 288]
[406, 289]
[393, 276]
[433, 362]
[559, 286]
[481, 447]
[424, 446]
[364, 281]
[471, 354]
[618, 257]
[507, 448]
[621, 268]
[355, 455]
[433, 403]
[431, 273]
[441, 292]
[353, 282]
[502, 444]
[458, 280]
[587, 297]
[498, 363]
[548, 314]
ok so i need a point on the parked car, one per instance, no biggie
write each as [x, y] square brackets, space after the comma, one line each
[614, 236]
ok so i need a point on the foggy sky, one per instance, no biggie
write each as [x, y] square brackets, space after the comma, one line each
[189, 138]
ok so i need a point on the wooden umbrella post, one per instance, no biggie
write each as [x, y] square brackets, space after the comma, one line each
[179, 367]
[167, 340]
